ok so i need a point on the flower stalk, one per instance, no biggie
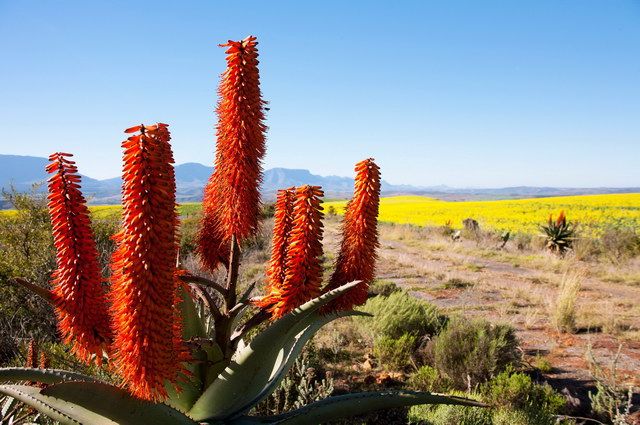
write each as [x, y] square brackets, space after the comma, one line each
[147, 337]
[357, 256]
[77, 292]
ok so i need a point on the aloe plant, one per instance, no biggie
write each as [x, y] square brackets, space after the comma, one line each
[559, 234]
[179, 342]
[254, 372]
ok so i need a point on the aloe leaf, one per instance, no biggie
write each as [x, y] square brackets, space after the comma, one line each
[192, 326]
[8, 404]
[46, 376]
[238, 316]
[253, 367]
[283, 366]
[347, 405]
[114, 404]
[189, 389]
[215, 363]
[58, 410]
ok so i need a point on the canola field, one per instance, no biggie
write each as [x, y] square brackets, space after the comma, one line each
[108, 211]
[593, 213]
[111, 211]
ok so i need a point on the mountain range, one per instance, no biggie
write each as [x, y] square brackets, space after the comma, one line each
[22, 172]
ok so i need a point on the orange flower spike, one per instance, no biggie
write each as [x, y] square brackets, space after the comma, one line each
[231, 201]
[44, 361]
[562, 219]
[357, 256]
[282, 223]
[32, 353]
[147, 345]
[303, 274]
[78, 296]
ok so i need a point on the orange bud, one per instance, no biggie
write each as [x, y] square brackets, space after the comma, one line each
[282, 223]
[77, 291]
[147, 342]
[231, 202]
[303, 271]
[357, 257]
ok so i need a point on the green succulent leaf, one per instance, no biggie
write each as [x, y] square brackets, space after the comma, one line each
[113, 404]
[192, 326]
[45, 376]
[347, 405]
[73, 403]
[294, 351]
[262, 362]
[58, 410]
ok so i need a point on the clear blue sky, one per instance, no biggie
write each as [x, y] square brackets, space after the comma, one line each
[464, 93]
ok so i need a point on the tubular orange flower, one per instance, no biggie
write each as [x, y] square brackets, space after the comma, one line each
[44, 361]
[357, 257]
[147, 343]
[32, 353]
[303, 271]
[282, 223]
[231, 201]
[562, 219]
[77, 291]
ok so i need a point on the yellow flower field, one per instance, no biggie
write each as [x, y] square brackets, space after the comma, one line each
[593, 212]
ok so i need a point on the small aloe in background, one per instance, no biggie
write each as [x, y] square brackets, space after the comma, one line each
[559, 233]
[178, 342]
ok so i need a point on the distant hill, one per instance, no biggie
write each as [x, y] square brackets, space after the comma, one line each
[24, 171]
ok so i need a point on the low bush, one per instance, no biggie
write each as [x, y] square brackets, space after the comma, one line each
[103, 231]
[451, 415]
[620, 243]
[522, 241]
[394, 353]
[383, 288]
[514, 399]
[399, 314]
[27, 251]
[188, 234]
[470, 352]
[427, 378]
[518, 391]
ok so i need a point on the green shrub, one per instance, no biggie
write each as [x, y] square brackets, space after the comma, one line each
[450, 415]
[515, 400]
[103, 231]
[543, 364]
[469, 352]
[394, 353]
[620, 243]
[267, 210]
[399, 314]
[383, 288]
[27, 251]
[518, 391]
[188, 234]
[427, 378]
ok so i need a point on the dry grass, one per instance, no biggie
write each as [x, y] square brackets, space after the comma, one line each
[563, 309]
